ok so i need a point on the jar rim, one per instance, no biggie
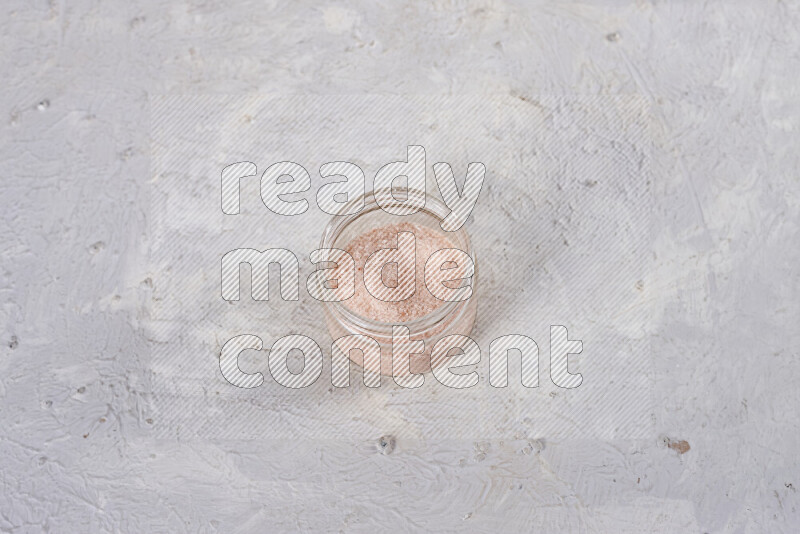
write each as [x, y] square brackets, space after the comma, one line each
[433, 207]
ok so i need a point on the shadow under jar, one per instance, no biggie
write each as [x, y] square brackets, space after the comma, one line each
[427, 318]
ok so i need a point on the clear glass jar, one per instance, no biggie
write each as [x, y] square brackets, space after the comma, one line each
[447, 319]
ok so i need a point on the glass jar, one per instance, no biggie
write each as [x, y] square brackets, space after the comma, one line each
[447, 319]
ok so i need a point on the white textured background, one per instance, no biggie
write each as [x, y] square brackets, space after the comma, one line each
[562, 235]
[77, 450]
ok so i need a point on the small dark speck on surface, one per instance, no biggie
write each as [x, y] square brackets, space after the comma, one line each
[82, 389]
[612, 37]
[43, 105]
[97, 247]
[148, 421]
[385, 444]
[13, 343]
[590, 183]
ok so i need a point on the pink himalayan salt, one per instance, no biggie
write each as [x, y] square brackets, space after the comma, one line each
[422, 302]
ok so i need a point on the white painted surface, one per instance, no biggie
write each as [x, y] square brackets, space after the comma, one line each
[77, 451]
[561, 233]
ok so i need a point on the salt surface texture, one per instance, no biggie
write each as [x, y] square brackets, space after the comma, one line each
[428, 241]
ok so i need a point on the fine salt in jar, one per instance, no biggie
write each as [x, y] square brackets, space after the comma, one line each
[426, 317]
